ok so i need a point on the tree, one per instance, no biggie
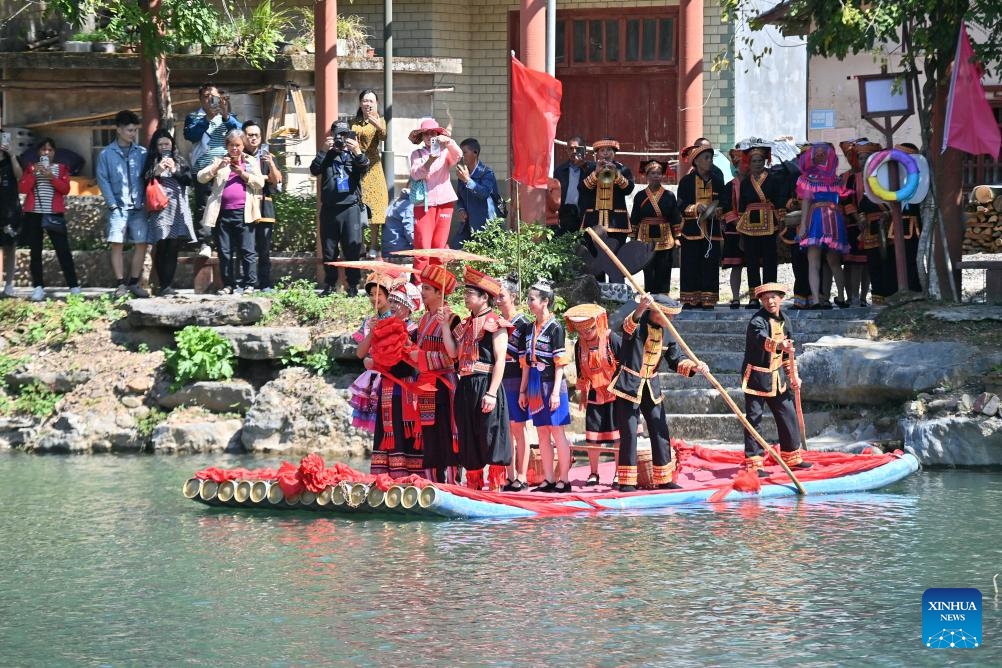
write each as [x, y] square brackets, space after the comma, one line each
[927, 30]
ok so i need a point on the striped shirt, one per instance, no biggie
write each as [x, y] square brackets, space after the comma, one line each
[217, 142]
[44, 192]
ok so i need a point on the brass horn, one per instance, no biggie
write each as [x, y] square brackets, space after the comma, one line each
[607, 175]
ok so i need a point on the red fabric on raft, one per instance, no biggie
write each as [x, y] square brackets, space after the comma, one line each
[700, 468]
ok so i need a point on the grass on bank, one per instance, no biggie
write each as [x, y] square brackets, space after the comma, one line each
[910, 321]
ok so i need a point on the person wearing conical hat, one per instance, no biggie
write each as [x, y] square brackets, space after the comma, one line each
[761, 210]
[364, 391]
[479, 343]
[655, 220]
[602, 195]
[911, 223]
[637, 385]
[767, 378]
[431, 187]
[699, 195]
[596, 364]
[732, 257]
[436, 368]
[394, 449]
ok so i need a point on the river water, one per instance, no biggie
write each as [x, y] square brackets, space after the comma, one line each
[105, 563]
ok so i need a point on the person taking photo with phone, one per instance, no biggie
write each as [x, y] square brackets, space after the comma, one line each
[431, 188]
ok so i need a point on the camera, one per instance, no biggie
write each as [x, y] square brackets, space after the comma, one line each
[579, 152]
[43, 160]
[214, 100]
[339, 139]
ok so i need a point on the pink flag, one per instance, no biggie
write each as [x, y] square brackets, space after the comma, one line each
[970, 124]
[535, 110]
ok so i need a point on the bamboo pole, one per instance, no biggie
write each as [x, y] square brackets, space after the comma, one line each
[709, 376]
[797, 404]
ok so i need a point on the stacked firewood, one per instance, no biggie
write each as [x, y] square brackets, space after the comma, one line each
[46, 40]
[984, 221]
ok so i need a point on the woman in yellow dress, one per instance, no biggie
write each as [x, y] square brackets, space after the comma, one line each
[371, 130]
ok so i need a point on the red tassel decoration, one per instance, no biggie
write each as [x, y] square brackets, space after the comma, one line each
[747, 480]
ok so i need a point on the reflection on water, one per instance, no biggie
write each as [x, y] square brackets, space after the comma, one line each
[106, 563]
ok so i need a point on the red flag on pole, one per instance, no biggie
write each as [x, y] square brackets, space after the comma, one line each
[970, 125]
[535, 110]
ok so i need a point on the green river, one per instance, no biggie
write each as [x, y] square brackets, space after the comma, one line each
[105, 563]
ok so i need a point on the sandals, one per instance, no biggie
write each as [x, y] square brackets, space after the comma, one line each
[592, 480]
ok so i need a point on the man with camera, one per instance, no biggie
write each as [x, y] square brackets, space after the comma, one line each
[206, 129]
[340, 169]
[477, 189]
[570, 174]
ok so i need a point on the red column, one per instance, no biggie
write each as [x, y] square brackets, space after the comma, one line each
[690, 72]
[325, 80]
[532, 33]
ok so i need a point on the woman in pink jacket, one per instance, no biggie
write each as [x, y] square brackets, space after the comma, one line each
[431, 187]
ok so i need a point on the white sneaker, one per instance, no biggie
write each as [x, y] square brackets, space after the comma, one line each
[75, 291]
[8, 290]
[205, 251]
[38, 294]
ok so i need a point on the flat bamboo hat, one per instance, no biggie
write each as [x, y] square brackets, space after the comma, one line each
[583, 316]
[770, 287]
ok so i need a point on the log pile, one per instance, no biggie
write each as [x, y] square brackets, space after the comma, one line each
[984, 221]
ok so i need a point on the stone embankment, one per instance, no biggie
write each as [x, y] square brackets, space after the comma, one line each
[930, 398]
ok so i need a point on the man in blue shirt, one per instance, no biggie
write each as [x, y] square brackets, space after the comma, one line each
[206, 129]
[120, 178]
[476, 189]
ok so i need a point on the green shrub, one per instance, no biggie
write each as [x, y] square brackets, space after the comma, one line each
[201, 354]
[146, 425]
[531, 253]
[300, 300]
[319, 362]
[36, 399]
[296, 229]
[78, 314]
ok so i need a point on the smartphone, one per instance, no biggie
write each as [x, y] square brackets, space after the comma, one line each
[351, 134]
[434, 147]
[44, 160]
[5, 139]
[579, 152]
[213, 100]
[165, 154]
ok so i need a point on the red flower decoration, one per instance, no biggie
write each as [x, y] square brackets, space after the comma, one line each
[390, 342]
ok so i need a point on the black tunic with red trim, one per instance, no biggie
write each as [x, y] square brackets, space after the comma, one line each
[484, 438]
[605, 204]
[761, 369]
[757, 216]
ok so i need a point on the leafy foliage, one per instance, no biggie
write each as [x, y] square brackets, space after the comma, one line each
[201, 354]
[319, 362]
[145, 425]
[300, 301]
[297, 228]
[533, 252]
[34, 399]
[54, 322]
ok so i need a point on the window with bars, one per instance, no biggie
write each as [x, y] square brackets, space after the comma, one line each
[637, 40]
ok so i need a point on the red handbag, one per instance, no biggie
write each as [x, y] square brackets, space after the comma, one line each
[156, 196]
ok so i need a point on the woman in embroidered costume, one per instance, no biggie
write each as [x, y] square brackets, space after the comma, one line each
[822, 229]
[701, 238]
[507, 303]
[394, 451]
[479, 344]
[656, 220]
[761, 208]
[435, 366]
[732, 256]
[544, 391]
[364, 392]
[595, 360]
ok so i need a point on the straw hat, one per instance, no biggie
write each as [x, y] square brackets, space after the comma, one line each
[606, 143]
[584, 316]
[427, 125]
[770, 287]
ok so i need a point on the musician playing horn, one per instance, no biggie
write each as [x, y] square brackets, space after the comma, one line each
[602, 194]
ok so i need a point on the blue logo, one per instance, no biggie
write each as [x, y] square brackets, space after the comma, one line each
[951, 618]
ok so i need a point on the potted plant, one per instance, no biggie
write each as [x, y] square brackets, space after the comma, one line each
[259, 34]
[351, 36]
[102, 42]
[79, 42]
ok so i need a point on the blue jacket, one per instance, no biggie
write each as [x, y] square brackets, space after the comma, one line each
[120, 176]
[475, 196]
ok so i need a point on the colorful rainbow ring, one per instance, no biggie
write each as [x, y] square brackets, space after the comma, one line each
[911, 181]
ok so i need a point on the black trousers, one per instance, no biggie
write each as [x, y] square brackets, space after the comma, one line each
[785, 413]
[878, 274]
[262, 243]
[760, 252]
[656, 419]
[657, 273]
[341, 234]
[165, 261]
[31, 233]
[235, 243]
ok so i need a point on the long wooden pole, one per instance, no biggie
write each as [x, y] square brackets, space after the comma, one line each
[797, 404]
[709, 376]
